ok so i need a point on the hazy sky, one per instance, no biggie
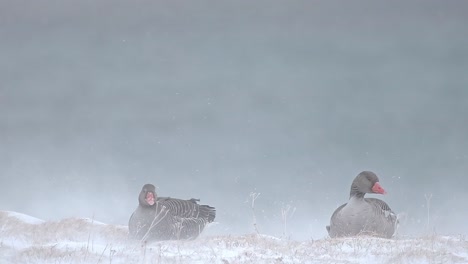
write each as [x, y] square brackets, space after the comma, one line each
[216, 99]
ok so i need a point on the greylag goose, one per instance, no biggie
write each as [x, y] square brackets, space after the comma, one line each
[369, 216]
[164, 218]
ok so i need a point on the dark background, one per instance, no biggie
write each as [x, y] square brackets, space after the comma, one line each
[216, 100]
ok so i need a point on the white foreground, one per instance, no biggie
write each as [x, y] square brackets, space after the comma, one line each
[24, 239]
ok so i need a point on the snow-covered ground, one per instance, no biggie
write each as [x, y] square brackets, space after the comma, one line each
[25, 239]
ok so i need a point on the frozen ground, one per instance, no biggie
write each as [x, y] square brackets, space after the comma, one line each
[25, 239]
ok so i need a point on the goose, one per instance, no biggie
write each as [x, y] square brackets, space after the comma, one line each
[165, 218]
[368, 216]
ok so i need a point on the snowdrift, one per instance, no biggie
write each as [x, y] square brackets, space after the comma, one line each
[25, 239]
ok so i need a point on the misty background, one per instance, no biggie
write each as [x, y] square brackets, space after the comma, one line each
[216, 100]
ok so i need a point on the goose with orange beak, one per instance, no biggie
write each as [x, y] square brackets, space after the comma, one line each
[163, 218]
[363, 216]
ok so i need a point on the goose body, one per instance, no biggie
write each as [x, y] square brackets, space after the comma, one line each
[368, 216]
[164, 218]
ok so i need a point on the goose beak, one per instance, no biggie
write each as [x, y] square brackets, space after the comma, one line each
[378, 189]
[150, 198]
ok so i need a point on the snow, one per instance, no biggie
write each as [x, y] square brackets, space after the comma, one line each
[25, 239]
[24, 218]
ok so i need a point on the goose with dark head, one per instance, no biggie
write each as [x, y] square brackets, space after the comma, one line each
[367, 216]
[164, 218]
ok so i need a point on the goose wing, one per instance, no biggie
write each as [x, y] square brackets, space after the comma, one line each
[381, 208]
[188, 209]
[387, 219]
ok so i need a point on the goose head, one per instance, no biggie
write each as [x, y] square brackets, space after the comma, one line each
[147, 195]
[366, 182]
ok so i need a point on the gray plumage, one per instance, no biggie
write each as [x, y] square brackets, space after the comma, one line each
[369, 216]
[164, 218]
